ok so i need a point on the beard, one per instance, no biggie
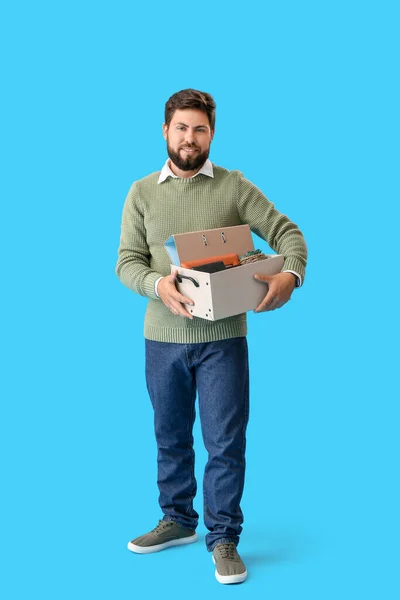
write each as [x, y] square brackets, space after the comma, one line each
[190, 163]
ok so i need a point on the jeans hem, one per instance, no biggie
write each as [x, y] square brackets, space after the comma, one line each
[169, 518]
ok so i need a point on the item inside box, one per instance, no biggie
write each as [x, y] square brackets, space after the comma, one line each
[252, 256]
[226, 261]
[229, 260]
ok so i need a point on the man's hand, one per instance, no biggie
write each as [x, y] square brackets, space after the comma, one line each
[280, 288]
[172, 298]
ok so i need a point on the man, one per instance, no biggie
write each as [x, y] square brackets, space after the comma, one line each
[185, 354]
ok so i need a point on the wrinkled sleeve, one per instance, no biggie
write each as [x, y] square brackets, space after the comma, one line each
[133, 265]
[281, 234]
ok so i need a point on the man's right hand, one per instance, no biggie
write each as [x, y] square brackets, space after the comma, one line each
[172, 298]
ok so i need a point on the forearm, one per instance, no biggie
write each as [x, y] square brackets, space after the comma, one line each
[282, 235]
[133, 271]
[285, 238]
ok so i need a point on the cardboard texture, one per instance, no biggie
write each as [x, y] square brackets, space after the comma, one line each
[225, 293]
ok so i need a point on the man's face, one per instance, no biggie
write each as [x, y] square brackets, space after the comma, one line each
[188, 138]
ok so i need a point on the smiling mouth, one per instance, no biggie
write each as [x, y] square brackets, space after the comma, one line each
[189, 150]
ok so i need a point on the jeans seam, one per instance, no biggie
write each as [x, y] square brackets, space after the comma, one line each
[190, 447]
[246, 411]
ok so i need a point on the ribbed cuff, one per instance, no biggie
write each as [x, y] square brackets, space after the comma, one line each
[293, 264]
[149, 285]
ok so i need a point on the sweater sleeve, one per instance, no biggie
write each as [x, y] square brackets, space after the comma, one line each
[133, 265]
[281, 234]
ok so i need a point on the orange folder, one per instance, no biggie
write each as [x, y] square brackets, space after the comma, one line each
[229, 260]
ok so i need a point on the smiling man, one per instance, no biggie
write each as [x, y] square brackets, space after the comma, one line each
[187, 355]
[188, 138]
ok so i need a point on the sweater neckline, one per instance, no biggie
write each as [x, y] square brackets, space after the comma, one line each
[185, 180]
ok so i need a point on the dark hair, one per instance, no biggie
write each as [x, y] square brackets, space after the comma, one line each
[191, 99]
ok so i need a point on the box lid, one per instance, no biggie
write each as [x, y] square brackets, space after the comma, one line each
[209, 242]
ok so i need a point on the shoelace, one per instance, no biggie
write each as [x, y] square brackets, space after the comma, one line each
[162, 525]
[227, 550]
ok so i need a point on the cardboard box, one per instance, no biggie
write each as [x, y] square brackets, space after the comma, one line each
[225, 293]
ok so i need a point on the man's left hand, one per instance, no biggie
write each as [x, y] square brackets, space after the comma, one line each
[280, 288]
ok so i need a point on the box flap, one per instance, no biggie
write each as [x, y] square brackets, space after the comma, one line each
[172, 251]
[209, 242]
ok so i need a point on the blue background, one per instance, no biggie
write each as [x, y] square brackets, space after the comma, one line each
[307, 108]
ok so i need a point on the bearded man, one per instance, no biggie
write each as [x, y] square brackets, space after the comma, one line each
[186, 355]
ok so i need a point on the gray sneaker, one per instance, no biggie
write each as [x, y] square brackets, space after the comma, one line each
[229, 566]
[166, 534]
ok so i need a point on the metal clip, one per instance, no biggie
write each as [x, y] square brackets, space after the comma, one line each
[223, 237]
[204, 240]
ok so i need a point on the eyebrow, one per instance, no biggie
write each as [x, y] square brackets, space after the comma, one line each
[184, 124]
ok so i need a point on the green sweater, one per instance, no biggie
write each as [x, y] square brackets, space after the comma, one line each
[153, 212]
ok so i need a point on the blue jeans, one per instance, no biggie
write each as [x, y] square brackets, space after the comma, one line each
[220, 373]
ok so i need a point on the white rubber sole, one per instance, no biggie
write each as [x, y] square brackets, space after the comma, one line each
[158, 547]
[229, 578]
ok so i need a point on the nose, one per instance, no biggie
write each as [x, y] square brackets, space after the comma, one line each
[189, 136]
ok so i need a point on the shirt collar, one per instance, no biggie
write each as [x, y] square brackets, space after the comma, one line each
[206, 169]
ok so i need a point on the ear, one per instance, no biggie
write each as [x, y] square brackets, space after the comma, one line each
[212, 135]
[165, 130]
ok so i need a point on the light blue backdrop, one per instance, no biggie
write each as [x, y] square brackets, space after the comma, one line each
[307, 109]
